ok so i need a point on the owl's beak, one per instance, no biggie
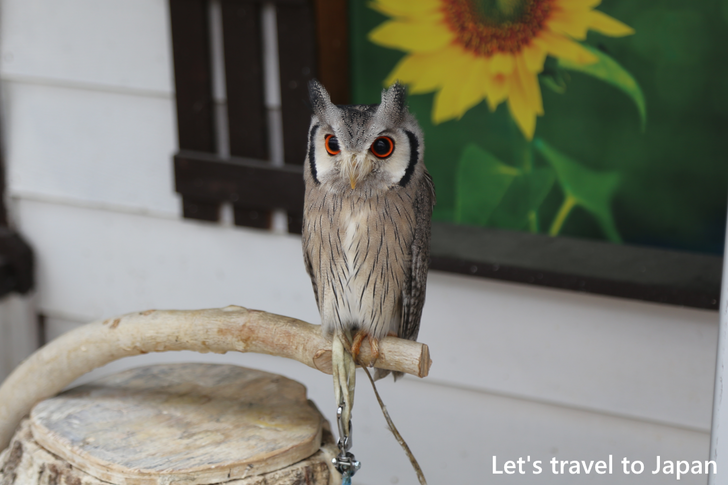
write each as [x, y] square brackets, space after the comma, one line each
[356, 168]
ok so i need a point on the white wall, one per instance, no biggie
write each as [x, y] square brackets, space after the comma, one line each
[90, 126]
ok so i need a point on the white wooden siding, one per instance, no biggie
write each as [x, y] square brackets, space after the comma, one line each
[121, 45]
[92, 146]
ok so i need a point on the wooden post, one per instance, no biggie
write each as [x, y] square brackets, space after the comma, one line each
[175, 424]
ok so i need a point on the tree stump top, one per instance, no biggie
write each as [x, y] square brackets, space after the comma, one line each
[197, 423]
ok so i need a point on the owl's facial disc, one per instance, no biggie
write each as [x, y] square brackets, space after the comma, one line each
[387, 157]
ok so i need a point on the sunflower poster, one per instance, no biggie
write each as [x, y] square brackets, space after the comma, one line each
[562, 117]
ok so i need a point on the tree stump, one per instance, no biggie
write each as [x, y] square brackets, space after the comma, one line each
[166, 424]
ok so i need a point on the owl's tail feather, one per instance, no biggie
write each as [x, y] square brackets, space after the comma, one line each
[382, 373]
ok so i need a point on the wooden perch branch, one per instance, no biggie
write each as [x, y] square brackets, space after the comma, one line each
[234, 328]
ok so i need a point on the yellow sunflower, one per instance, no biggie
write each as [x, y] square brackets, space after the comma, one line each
[471, 50]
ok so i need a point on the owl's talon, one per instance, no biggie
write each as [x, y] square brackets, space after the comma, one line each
[374, 346]
[356, 344]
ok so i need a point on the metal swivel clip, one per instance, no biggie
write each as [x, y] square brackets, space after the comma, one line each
[345, 462]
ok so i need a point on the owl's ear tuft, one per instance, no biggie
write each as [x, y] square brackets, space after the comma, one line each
[320, 99]
[394, 104]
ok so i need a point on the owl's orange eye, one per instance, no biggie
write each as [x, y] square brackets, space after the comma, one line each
[382, 147]
[332, 145]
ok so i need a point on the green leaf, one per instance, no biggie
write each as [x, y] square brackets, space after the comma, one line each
[481, 180]
[552, 76]
[526, 193]
[588, 188]
[558, 87]
[538, 184]
[609, 70]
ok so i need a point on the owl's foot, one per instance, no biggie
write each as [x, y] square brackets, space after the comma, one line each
[373, 345]
[356, 344]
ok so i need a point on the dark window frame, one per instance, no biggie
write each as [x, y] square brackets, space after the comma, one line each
[17, 260]
[312, 42]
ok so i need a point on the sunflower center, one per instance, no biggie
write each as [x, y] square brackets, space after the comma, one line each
[485, 27]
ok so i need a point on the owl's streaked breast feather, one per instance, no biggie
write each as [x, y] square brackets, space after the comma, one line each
[360, 257]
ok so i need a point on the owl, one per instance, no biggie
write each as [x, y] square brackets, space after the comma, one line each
[366, 221]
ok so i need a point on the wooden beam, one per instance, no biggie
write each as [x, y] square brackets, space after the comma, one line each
[244, 182]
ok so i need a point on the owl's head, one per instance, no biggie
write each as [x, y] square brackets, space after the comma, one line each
[363, 147]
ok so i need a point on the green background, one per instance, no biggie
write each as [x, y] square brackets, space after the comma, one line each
[672, 185]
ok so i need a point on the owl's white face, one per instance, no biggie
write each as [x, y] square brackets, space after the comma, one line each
[386, 155]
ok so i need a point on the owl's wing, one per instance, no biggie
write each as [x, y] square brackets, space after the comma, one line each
[414, 294]
[307, 261]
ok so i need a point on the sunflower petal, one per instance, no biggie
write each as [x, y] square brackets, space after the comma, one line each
[560, 46]
[520, 110]
[409, 5]
[607, 25]
[573, 23]
[529, 83]
[425, 71]
[446, 103]
[501, 63]
[411, 36]
[472, 91]
[579, 4]
[496, 89]
[433, 80]
[409, 69]
[534, 57]
[404, 9]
